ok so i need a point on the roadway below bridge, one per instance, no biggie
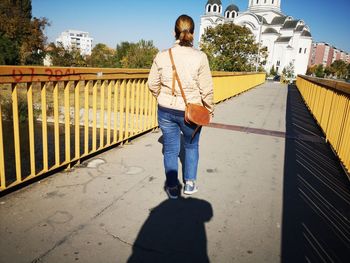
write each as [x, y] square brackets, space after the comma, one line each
[270, 190]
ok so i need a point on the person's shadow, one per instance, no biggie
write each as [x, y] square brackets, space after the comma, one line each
[174, 232]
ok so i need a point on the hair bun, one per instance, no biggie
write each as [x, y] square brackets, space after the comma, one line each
[184, 29]
[186, 37]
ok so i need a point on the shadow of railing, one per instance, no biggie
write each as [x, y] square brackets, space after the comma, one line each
[316, 198]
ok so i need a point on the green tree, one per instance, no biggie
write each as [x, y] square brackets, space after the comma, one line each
[25, 7]
[14, 22]
[33, 47]
[25, 33]
[8, 51]
[340, 69]
[58, 55]
[64, 57]
[262, 57]
[273, 71]
[230, 47]
[77, 59]
[311, 70]
[288, 72]
[319, 71]
[102, 56]
[122, 50]
[139, 55]
[328, 71]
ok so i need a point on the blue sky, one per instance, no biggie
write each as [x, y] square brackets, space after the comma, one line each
[113, 21]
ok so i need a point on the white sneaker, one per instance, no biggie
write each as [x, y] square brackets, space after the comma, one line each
[190, 188]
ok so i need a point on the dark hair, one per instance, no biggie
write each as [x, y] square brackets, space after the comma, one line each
[184, 29]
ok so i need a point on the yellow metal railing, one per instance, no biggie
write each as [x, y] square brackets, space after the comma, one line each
[229, 84]
[68, 114]
[329, 102]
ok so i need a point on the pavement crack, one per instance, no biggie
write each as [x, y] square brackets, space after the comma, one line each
[84, 184]
[118, 238]
[119, 197]
[58, 243]
[77, 229]
[141, 247]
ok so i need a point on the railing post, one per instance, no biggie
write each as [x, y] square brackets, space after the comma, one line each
[16, 132]
[2, 158]
[77, 118]
[121, 111]
[67, 121]
[94, 116]
[102, 113]
[31, 128]
[116, 96]
[109, 111]
[86, 117]
[56, 123]
[44, 126]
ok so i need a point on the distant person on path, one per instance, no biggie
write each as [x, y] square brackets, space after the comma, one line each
[193, 69]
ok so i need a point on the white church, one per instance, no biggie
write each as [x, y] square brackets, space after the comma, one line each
[288, 40]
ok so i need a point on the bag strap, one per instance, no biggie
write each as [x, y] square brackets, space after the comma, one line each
[176, 76]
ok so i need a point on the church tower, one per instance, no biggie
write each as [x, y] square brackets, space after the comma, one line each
[213, 16]
[213, 7]
[255, 6]
[287, 40]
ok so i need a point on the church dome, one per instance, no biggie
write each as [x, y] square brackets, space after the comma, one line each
[212, 2]
[270, 31]
[213, 7]
[300, 28]
[306, 34]
[260, 5]
[283, 39]
[262, 19]
[278, 20]
[290, 24]
[231, 8]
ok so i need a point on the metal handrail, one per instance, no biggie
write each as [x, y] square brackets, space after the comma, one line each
[336, 85]
[87, 109]
[329, 102]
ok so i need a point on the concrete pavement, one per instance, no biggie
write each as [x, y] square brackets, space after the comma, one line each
[113, 208]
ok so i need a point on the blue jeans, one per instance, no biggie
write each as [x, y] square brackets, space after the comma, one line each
[172, 124]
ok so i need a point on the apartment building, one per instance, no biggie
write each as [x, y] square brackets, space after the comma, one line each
[325, 54]
[76, 39]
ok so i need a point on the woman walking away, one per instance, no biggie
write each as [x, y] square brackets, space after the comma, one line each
[194, 73]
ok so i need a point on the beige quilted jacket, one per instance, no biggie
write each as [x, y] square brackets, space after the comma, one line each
[194, 72]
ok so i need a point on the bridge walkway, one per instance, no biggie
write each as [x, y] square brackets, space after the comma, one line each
[270, 190]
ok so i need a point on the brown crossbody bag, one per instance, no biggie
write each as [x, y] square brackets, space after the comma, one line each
[194, 114]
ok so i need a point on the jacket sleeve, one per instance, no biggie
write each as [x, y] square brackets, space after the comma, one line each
[206, 84]
[154, 83]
